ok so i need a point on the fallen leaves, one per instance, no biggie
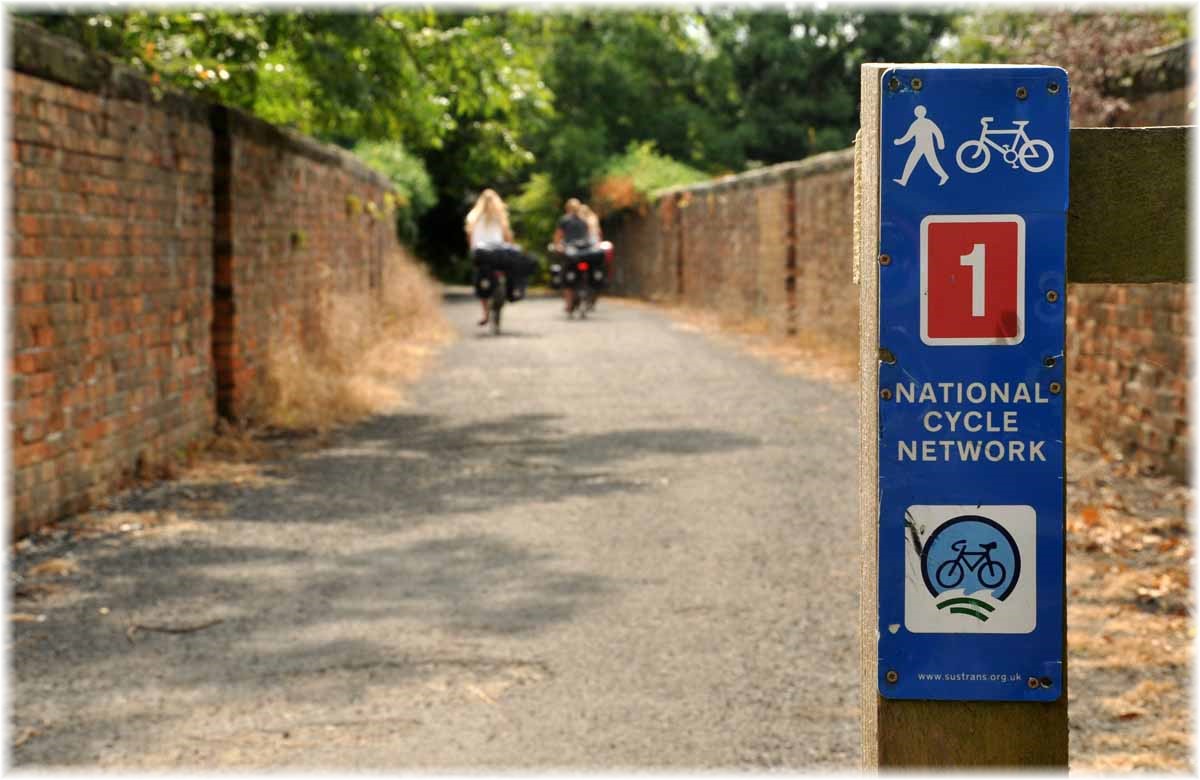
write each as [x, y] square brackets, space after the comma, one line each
[35, 590]
[1129, 617]
[24, 736]
[25, 617]
[217, 471]
[475, 689]
[54, 567]
[1168, 544]
[132, 629]
[33, 585]
[1161, 592]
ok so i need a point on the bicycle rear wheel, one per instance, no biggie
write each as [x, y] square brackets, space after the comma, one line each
[976, 149]
[949, 574]
[499, 293]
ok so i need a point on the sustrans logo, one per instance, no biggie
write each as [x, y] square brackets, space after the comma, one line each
[969, 554]
[969, 569]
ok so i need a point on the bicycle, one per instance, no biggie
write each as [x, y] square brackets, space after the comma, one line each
[501, 274]
[575, 278]
[990, 573]
[582, 271]
[499, 296]
[1024, 151]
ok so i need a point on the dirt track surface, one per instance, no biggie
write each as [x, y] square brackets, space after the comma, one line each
[609, 544]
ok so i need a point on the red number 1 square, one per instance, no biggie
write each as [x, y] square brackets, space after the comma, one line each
[972, 279]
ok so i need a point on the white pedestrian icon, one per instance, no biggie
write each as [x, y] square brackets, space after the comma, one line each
[924, 132]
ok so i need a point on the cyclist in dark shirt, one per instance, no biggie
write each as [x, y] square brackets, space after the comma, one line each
[572, 229]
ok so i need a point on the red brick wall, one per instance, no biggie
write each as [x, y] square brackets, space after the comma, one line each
[158, 245]
[773, 244]
[644, 261]
[1159, 109]
[826, 298]
[1127, 346]
[111, 248]
[302, 222]
[720, 239]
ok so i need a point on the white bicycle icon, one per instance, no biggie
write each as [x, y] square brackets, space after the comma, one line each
[1033, 155]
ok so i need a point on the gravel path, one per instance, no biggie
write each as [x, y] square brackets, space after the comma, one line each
[609, 544]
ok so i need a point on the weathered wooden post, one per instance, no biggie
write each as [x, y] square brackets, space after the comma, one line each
[963, 186]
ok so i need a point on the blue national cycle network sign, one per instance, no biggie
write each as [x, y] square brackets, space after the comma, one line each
[972, 283]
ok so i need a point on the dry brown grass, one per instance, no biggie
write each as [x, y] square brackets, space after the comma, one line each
[367, 348]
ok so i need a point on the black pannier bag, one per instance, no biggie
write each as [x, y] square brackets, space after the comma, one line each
[508, 258]
[556, 277]
[518, 279]
[483, 283]
[520, 267]
[486, 261]
[593, 255]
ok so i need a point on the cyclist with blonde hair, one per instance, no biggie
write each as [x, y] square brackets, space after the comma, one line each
[487, 226]
[593, 222]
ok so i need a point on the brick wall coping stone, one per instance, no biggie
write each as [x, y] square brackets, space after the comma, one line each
[39, 53]
[1157, 70]
[797, 169]
[246, 125]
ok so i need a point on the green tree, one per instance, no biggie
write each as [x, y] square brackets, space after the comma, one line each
[459, 90]
[797, 71]
[628, 77]
[534, 212]
[414, 189]
[629, 180]
[412, 75]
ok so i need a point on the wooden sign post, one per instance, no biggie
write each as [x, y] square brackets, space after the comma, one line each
[973, 520]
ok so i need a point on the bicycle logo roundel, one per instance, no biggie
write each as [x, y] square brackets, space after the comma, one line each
[971, 553]
[971, 569]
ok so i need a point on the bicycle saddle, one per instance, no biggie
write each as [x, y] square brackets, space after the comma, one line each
[988, 546]
[983, 120]
[1020, 122]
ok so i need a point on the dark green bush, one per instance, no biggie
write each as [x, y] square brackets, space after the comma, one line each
[414, 188]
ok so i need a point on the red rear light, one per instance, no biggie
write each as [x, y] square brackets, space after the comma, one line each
[583, 266]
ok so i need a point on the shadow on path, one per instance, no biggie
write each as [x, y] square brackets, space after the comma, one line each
[347, 560]
[402, 471]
